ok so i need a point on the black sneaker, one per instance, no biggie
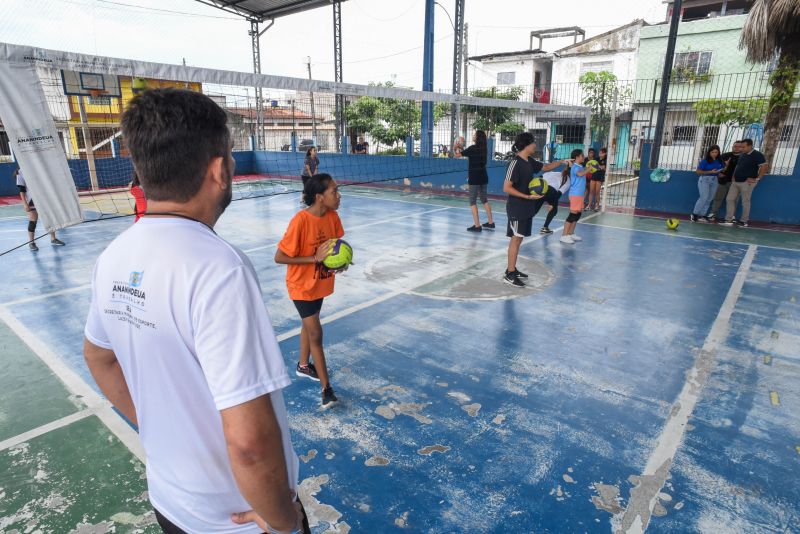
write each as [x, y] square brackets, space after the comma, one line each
[328, 398]
[693, 217]
[474, 229]
[707, 219]
[726, 223]
[520, 274]
[545, 230]
[511, 278]
[308, 371]
[57, 242]
[711, 218]
[488, 226]
[742, 224]
[33, 246]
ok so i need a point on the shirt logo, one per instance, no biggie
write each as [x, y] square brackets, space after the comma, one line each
[136, 278]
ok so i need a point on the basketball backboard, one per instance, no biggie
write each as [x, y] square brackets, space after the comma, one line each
[90, 84]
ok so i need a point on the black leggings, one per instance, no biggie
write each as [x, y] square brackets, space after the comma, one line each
[551, 215]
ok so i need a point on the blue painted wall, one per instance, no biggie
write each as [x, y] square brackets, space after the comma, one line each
[111, 172]
[435, 174]
[8, 186]
[776, 199]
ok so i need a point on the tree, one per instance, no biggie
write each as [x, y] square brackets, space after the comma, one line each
[598, 94]
[772, 29]
[732, 113]
[388, 120]
[495, 119]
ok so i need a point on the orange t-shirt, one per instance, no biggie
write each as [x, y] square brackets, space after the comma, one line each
[305, 234]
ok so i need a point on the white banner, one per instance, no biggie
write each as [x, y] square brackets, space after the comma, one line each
[34, 140]
[161, 71]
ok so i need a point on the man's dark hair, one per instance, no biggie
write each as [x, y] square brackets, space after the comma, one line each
[748, 142]
[316, 185]
[172, 136]
[522, 140]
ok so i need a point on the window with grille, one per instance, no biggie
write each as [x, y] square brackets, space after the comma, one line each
[684, 135]
[694, 62]
[786, 133]
[506, 78]
[570, 133]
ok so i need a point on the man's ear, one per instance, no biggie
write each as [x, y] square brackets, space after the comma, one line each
[216, 173]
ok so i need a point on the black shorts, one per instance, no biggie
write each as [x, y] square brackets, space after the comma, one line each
[601, 178]
[168, 527]
[519, 227]
[307, 308]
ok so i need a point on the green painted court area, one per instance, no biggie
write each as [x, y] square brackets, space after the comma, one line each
[78, 478]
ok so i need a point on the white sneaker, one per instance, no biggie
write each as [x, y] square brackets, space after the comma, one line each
[567, 239]
[576, 238]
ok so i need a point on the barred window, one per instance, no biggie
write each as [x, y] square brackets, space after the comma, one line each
[697, 62]
[684, 134]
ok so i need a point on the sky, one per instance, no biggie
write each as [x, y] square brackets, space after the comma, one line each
[382, 39]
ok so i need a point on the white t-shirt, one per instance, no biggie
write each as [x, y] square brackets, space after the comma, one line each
[554, 180]
[182, 310]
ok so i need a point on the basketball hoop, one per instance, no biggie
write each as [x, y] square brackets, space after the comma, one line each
[96, 93]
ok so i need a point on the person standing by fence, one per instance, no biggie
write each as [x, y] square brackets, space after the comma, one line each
[724, 179]
[708, 170]
[750, 169]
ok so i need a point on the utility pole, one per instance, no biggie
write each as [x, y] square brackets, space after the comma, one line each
[313, 114]
[655, 151]
[466, 75]
[458, 58]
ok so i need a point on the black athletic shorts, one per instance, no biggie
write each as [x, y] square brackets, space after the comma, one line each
[307, 308]
[519, 227]
[168, 527]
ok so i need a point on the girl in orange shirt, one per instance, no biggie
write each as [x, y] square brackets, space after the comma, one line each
[308, 241]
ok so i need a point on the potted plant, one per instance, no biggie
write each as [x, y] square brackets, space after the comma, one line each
[637, 165]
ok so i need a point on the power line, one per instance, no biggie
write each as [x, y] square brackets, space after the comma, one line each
[169, 12]
[366, 60]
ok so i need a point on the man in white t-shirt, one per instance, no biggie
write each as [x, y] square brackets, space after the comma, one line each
[179, 340]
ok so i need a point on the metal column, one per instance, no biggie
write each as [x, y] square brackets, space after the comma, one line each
[426, 141]
[655, 151]
[337, 68]
[255, 38]
[458, 60]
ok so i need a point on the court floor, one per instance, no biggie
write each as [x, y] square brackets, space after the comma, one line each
[646, 377]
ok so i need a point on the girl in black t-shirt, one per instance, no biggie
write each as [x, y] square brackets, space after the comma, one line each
[598, 177]
[478, 181]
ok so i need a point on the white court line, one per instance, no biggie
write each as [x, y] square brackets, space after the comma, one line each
[44, 429]
[362, 195]
[47, 295]
[358, 226]
[635, 518]
[76, 385]
[436, 275]
[693, 237]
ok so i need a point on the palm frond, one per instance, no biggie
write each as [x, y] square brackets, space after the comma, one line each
[769, 23]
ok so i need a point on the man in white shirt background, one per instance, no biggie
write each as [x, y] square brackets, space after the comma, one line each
[179, 340]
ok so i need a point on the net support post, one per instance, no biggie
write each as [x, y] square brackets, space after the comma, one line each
[344, 143]
[610, 152]
[426, 137]
[87, 143]
[490, 147]
[587, 132]
[252, 140]
[409, 146]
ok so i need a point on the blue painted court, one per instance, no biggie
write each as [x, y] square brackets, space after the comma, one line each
[646, 378]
